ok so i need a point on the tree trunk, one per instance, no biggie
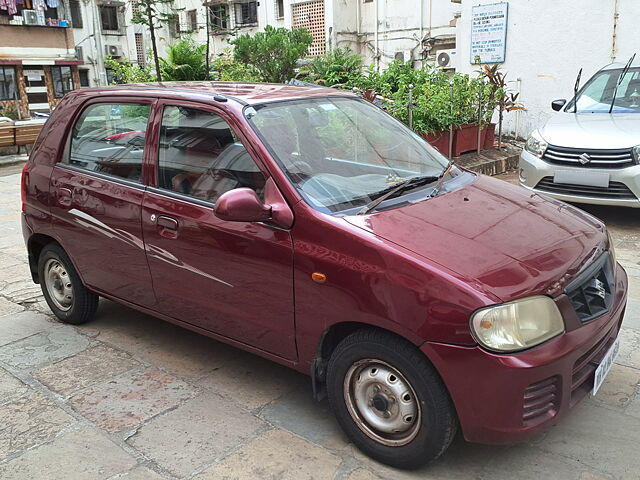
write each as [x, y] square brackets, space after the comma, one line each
[206, 19]
[154, 48]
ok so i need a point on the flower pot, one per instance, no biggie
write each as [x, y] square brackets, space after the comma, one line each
[466, 139]
[490, 136]
[439, 141]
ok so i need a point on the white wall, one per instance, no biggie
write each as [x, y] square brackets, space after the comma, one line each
[547, 44]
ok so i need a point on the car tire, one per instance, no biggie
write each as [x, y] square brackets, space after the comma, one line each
[389, 399]
[63, 290]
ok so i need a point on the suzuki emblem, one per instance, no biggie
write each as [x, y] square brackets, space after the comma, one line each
[584, 158]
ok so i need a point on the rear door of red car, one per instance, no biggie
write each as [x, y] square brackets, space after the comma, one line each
[231, 278]
[97, 192]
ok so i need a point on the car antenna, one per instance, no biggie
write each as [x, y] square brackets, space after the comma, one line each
[575, 92]
[620, 79]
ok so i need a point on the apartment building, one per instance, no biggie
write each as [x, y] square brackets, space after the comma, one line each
[38, 64]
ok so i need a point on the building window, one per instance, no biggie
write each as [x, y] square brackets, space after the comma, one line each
[84, 78]
[142, 61]
[246, 13]
[219, 16]
[279, 8]
[109, 17]
[192, 16]
[76, 14]
[62, 81]
[174, 25]
[7, 83]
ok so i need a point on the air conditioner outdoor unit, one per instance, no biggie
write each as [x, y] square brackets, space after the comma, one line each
[444, 58]
[30, 17]
[79, 54]
[113, 50]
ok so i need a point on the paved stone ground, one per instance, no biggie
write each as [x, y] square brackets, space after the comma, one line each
[131, 397]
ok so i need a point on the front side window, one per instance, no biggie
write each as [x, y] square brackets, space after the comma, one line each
[201, 156]
[7, 83]
[109, 138]
[342, 153]
[246, 13]
[597, 94]
[62, 81]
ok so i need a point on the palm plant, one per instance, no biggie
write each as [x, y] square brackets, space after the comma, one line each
[186, 60]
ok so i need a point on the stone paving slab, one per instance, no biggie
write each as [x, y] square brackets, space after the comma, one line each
[126, 401]
[79, 455]
[195, 434]
[22, 325]
[10, 387]
[85, 369]
[31, 420]
[276, 455]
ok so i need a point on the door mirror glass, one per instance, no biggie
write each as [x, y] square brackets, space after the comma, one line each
[241, 205]
[558, 104]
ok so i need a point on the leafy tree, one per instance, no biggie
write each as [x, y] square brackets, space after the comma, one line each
[126, 72]
[274, 52]
[226, 69]
[337, 67]
[186, 60]
[153, 14]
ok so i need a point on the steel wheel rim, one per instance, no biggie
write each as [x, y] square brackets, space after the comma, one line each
[382, 403]
[58, 284]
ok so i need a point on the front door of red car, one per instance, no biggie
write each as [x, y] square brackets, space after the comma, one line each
[231, 278]
[97, 192]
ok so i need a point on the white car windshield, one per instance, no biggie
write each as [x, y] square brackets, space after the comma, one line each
[343, 153]
[597, 95]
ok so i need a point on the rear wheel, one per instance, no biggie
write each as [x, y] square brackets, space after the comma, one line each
[63, 290]
[389, 399]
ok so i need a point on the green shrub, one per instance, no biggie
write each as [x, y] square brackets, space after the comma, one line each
[274, 52]
[337, 67]
[224, 68]
[186, 60]
[127, 72]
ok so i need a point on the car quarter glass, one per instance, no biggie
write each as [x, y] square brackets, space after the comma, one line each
[201, 156]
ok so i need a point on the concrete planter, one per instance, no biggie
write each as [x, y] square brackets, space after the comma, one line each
[439, 140]
[466, 139]
[489, 135]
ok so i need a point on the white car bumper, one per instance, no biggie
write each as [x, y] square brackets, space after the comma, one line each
[624, 183]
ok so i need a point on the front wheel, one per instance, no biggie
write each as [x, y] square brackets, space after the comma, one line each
[63, 290]
[389, 399]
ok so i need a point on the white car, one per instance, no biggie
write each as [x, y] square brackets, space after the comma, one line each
[589, 152]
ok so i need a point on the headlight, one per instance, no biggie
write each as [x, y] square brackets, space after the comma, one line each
[517, 325]
[636, 153]
[536, 145]
[612, 250]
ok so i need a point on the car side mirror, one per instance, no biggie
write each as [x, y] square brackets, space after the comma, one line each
[558, 104]
[241, 205]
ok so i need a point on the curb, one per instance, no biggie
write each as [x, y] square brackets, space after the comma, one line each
[496, 167]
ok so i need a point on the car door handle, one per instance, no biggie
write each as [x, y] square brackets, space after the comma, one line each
[168, 223]
[64, 196]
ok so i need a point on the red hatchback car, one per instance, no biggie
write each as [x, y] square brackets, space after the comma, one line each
[308, 226]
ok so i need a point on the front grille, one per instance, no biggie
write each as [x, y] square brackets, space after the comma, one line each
[585, 367]
[618, 158]
[541, 400]
[615, 190]
[591, 292]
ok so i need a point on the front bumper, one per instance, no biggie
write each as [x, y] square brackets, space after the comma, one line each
[504, 399]
[533, 169]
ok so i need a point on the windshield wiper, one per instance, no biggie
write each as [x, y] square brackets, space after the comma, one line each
[438, 187]
[394, 190]
[619, 82]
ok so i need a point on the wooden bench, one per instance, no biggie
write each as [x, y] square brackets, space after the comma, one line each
[19, 135]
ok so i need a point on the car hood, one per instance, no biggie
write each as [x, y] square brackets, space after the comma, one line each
[593, 130]
[503, 239]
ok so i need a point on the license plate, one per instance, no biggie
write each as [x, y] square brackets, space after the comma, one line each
[581, 177]
[605, 365]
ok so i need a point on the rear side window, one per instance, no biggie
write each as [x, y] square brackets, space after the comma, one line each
[109, 138]
[201, 156]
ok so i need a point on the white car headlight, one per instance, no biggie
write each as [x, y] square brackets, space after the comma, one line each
[636, 153]
[536, 144]
[518, 325]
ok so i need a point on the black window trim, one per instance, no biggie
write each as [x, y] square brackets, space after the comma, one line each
[15, 82]
[59, 69]
[104, 176]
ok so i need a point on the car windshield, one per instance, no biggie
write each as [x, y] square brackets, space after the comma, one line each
[597, 95]
[343, 153]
